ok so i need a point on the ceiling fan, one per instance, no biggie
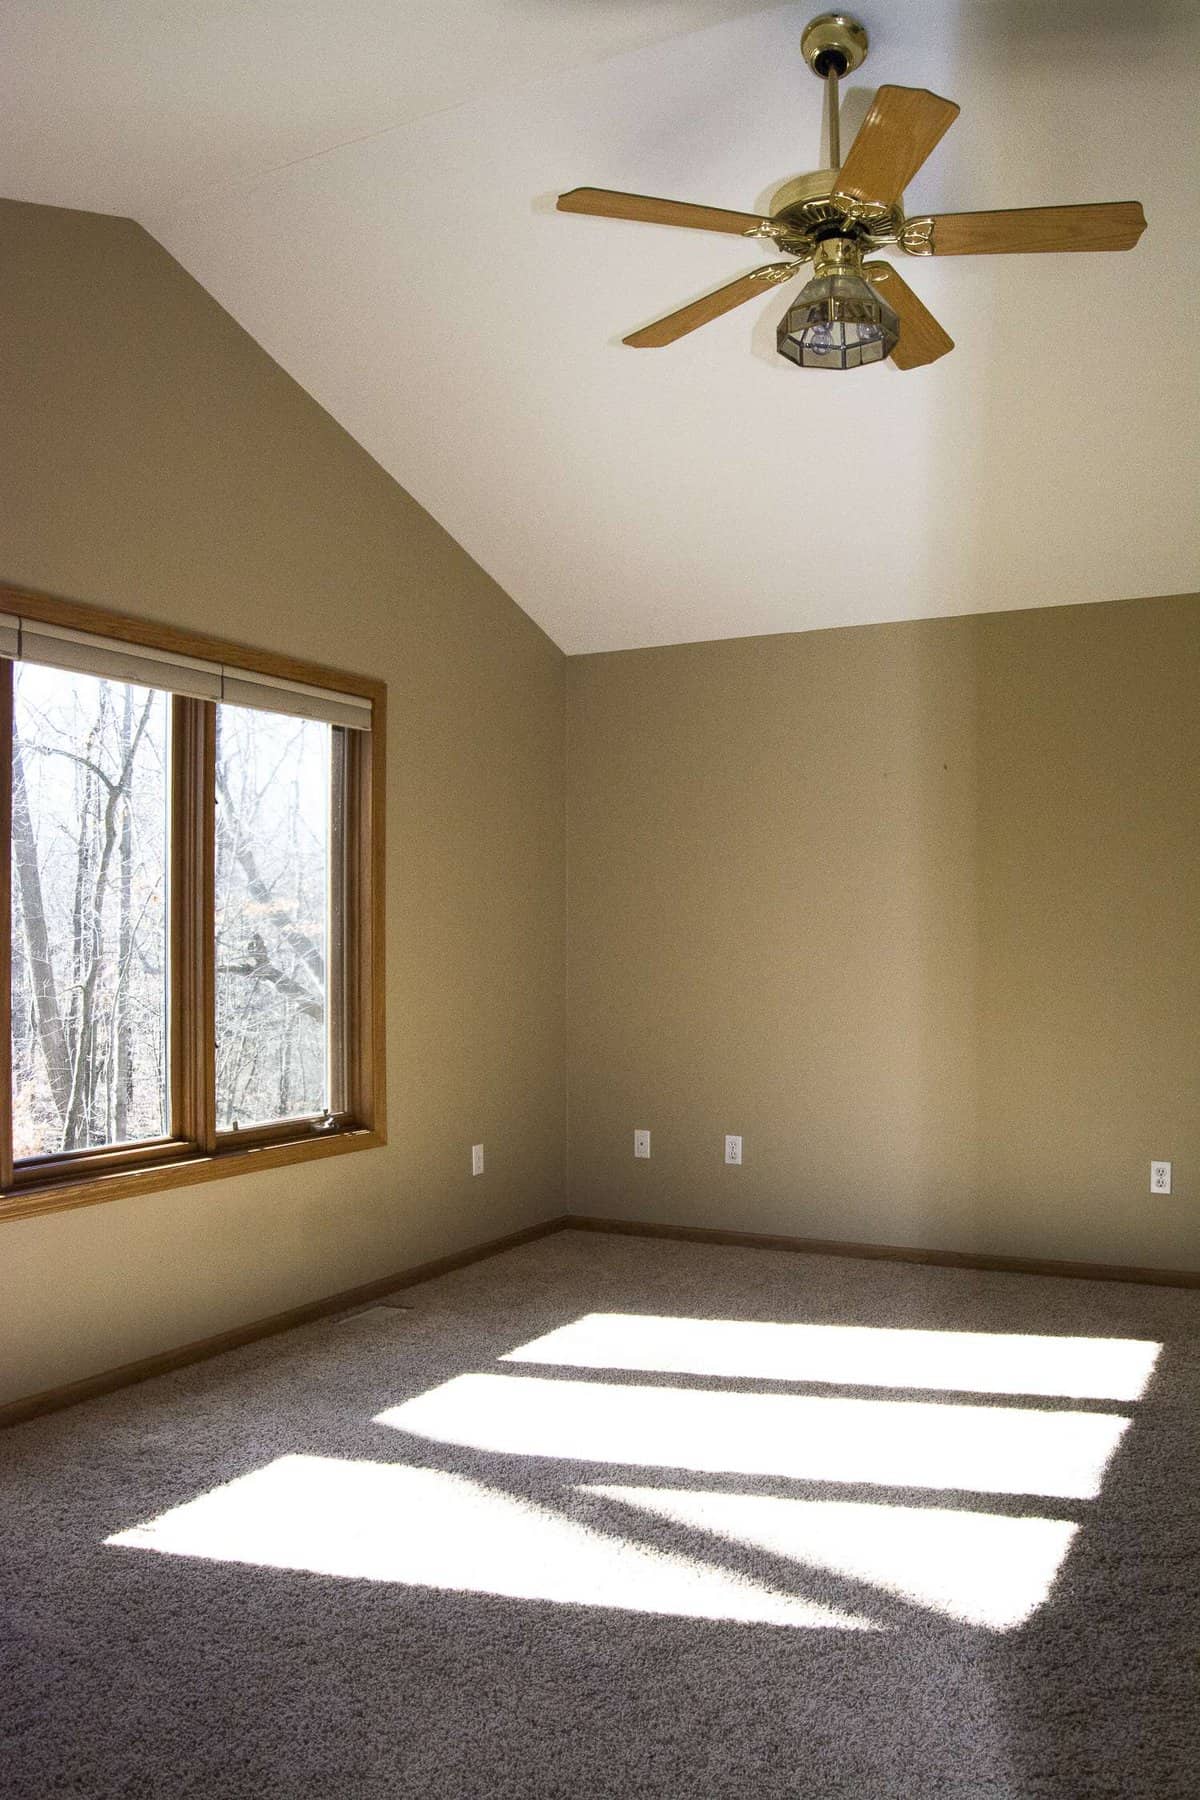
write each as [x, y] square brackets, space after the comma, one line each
[854, 312]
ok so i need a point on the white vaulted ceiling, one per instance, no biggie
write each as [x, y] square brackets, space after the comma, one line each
[369, 189]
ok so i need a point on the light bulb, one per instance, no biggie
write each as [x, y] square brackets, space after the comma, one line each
[837, 321]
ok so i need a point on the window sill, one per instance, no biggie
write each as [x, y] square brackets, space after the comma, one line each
[226, 1164]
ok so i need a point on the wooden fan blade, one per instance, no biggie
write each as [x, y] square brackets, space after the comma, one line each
[700, 312]
[893, 141]
[1115, 226]
[922, 339]
[603, 203]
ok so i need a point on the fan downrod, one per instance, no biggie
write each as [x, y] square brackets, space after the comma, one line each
[834, 44]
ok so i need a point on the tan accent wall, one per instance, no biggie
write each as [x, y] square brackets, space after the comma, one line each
[916, 910]
[155, 460]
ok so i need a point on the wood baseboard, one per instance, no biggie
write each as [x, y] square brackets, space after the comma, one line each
[941, 1259]
[72, 1392]
[53, 1399]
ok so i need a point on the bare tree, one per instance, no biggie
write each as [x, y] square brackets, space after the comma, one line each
[81, 1024]
[89, 971]
[272, 844]
[43, 989]
[123, 1074]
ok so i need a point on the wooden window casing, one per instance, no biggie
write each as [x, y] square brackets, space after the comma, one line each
[195, 1151]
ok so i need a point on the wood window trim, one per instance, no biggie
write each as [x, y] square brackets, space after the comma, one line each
[196, 1152]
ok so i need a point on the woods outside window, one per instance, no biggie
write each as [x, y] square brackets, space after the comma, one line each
[192, 848]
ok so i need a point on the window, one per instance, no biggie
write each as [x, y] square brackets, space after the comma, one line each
[90, 838]
[192, 838]
[273, 912]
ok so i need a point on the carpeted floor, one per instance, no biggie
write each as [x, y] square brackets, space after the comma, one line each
[749, 1524]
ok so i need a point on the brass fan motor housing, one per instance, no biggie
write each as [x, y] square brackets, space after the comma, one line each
[810, 208]
[836, 36]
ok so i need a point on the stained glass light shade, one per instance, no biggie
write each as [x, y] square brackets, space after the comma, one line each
[837, 322]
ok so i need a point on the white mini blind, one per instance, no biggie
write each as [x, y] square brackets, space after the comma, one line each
[268, 693]
[58, 648]
[111, 659]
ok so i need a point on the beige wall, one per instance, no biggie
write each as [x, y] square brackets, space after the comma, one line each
[915, 910]
[154, 459]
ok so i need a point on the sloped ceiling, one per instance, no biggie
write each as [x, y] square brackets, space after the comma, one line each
[369, 190]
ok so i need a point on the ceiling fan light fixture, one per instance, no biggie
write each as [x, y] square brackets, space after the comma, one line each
[837, 322]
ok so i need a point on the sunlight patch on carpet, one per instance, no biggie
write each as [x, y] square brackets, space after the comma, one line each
[425, 1528]
[985, 1569]
[1077, 1368]
[898, 1443]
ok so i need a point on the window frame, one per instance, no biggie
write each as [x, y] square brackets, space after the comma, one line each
[195, 1151]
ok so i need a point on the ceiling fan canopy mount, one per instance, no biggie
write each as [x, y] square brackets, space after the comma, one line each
[834, 43]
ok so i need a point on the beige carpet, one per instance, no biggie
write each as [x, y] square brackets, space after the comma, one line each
[608, 1517]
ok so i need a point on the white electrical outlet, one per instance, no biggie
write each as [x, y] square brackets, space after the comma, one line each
[733, 1149]
[641, 1143]
[477, 1159]
[1160, 1178]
